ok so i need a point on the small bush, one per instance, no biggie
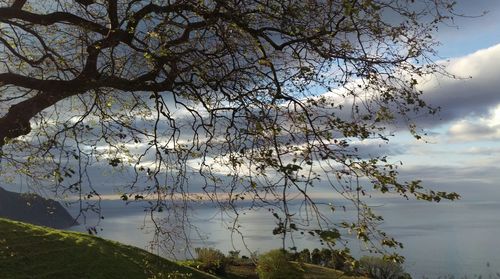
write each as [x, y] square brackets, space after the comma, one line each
[378, 268]
[171, 275]
[304, 256]
[233, 257]
[211, 260]
[275, 265]
[316, 256]
[235, 254]
[336, 259]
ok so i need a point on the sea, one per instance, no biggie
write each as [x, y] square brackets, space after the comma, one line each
[458, 239]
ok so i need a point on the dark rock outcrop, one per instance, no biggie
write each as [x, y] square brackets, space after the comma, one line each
[34, 209]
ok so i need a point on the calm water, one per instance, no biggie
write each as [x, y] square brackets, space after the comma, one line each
[460, 238]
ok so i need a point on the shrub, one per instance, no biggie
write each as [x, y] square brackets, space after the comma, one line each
[233, 257]
[326, 257]
[235, 254]
[275, 265]
[316, 256]
[378, 268]
[305, 256]
[211, 260]
[336, 259]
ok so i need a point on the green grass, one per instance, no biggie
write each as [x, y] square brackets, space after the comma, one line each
[318, 272]
[28, 251]
[247, 271]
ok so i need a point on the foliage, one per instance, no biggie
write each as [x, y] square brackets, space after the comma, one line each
[229, 91]
[211, 260]
[316, 256]
[234, 254]
[378, 268]
[319, 272]
[275, 265]
[29, 251]
[337, 259]
[332, 258]
[234, 258]
[170, 275]
[304, 256]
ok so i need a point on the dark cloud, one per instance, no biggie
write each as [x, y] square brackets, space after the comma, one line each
[376, 148]
[474, 94]
[469, 97]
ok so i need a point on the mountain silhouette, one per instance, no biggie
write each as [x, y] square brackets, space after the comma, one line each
[34, 209]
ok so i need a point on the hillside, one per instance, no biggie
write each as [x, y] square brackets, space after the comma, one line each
[310, 272]
[28, 251]
[34, 209]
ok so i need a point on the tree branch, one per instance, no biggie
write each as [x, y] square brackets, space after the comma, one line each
[52, 18]
[18, 4]
[113, 13]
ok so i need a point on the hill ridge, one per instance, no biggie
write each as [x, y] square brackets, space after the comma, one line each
[30, 251]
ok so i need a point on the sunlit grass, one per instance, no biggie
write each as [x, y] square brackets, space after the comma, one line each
[28, 251]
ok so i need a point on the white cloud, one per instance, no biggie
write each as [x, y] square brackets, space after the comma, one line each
[477, 129]
[474, 93]
[473, 131]
[465, 98]
[483, 151]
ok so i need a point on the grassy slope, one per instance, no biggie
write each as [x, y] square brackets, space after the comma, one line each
[319, 272]
[310, 272]
[28, 251]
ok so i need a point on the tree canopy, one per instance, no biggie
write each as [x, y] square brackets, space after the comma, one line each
[262, 99]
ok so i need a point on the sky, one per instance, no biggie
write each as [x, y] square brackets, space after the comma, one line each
[461, 150]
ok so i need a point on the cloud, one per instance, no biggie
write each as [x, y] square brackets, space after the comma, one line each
[476, 129]
[462, 101]
[468, 104]
[473, 94]
[465, 97]
[473, 131]
[483, 151]
[375, 148]
[474, 181]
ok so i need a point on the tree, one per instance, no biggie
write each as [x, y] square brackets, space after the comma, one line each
[379, 268]
[275, 264]
[316, 256]
[304, 256]
[229, 89]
